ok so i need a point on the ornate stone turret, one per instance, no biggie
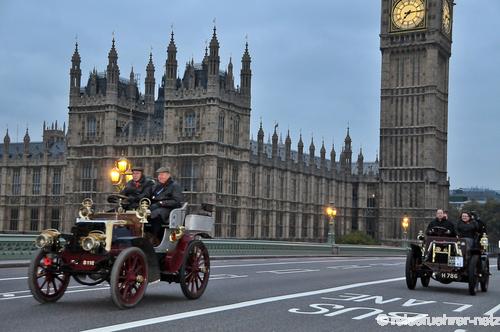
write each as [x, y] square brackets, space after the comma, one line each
[360, 162]
[260, 140]
[347, 153]
[149, 82]
[112, 74]
[322, 153]
[300, 150]
[6, 144]
[332, 158]
[171, 64]
[246, 73]
[275, 143]
[132, 86]
[26, 142]
[312, 149]
[75, 74]
[288, 146]
[230, 76]
[213, 64]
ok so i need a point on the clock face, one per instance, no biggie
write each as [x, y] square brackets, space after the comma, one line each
[408, 14]
[446, 17]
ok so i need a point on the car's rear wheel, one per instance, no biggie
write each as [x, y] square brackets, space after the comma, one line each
[46, 282]
[472, 274]
[485, 275]
[411, 272]
[129, 278]
[195, 270]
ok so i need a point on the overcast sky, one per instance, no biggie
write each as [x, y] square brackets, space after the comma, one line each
[315, 65]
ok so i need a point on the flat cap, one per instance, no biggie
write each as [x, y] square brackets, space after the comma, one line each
[163, 170]
[138, 168]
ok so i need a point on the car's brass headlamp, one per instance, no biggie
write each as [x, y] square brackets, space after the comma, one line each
[94, 240]
[47, 238]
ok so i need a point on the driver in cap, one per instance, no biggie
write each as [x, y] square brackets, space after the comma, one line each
[138, 188]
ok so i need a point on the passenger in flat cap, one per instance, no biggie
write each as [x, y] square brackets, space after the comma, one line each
[138, 188]
[166, 196]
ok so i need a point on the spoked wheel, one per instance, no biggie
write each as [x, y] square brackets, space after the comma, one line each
[411, 272]
[129, 278]
[425, 280]
[485, 272]
[472, 273]
[195, 270]
[46, 282]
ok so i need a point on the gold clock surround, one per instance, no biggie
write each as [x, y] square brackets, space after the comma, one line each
[446, 18]
[408, 15]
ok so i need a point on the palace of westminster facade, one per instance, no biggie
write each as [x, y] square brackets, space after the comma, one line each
[199, 126]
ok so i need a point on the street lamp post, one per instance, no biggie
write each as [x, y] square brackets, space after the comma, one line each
[331, 212]
[405, 223]
[121, 173]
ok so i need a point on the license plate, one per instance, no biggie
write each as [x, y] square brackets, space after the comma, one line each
[448, 275]
[456, 261]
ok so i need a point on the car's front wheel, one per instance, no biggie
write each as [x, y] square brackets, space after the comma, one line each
[129, 278]
[485, 275]
[472, 274]
[411, 271]
[45, 280]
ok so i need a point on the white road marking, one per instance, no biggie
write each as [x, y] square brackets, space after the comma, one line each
[239, 305]
[492, 311]
[14, 278]
[304, 262]
[67, 292]
[27, 291]
[226, 276]
[288, 271]
[348, 267]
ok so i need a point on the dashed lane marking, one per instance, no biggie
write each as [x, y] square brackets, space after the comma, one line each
[288, 271]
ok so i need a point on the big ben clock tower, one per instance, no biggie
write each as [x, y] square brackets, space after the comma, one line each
[415, 41]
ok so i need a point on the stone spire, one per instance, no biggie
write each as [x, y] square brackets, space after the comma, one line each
[275, 143]
[360, 162]
[132, 85]
[322, 153]
[26, 141]
[171, 64]
[149, 82]
[113, 71]
[246, 73]
[75, 73]
[230, 76]
[288, 146]
[312, 149]
[112, 75]
[213, 63]
[300, 150]
[6, 143]
[332, 157]
[347, 153]
[260, 140]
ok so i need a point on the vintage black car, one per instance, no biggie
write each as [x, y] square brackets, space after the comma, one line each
[114, 247]
[447, 259]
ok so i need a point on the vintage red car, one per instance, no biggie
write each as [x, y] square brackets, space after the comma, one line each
[113, 247]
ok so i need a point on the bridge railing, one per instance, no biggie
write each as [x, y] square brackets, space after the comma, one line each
[13, 246]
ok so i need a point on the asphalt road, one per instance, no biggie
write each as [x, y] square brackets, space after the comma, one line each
[295, 294]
